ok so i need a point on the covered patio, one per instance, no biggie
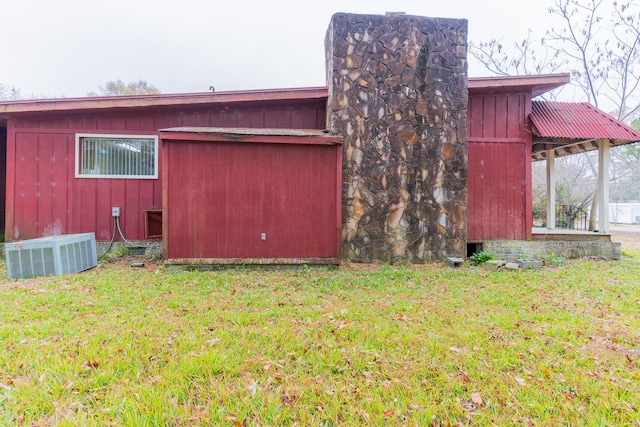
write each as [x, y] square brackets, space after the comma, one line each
[562, 129]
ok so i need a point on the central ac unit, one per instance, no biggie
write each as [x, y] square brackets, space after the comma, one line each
[54, 255]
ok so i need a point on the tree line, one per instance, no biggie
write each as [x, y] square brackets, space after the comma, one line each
[110, 88]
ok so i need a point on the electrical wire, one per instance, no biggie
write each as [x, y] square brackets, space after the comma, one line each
[116, 227]
[113, 238]
[124, 239]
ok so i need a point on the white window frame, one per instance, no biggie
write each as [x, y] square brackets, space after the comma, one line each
[78, 171]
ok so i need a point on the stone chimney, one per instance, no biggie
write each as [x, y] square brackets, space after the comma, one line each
[398, 95]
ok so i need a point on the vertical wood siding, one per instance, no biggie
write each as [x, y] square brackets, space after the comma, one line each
[236, 191]
[3, 175]
[499, 198]
[43, 195]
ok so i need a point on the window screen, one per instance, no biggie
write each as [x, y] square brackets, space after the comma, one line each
[116, 156]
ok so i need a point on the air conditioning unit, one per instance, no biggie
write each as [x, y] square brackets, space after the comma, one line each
[54, 255]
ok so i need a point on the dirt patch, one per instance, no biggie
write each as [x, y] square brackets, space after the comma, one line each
[34, 285]
[629, 240]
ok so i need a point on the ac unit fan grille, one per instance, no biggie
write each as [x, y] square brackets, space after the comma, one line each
[33, 262]
[51, 255]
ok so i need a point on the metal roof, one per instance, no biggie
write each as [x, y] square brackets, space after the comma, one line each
[577, 121]
[574, 127]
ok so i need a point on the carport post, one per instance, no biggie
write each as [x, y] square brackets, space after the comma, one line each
[603, 185]
[551, 188]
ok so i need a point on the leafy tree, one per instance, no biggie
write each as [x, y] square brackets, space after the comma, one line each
[118, 88]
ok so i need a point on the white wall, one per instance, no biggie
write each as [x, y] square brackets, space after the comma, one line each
[624, 213]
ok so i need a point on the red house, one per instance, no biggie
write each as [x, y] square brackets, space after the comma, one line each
[72, 160]
[418, 162]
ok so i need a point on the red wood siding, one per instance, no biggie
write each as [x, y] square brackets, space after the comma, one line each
[236, 191]
[3, 175]
[499, 195]
[43, 194]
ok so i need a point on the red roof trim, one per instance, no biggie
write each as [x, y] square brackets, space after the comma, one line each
[578, 121]
[106, 102]
[538, 84]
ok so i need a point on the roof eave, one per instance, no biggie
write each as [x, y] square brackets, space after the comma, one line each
[160, 100]
[538, 84]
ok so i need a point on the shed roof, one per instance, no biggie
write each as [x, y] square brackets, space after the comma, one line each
[574, 128]
[265, 135]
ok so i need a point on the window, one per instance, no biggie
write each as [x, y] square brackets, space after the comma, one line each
[116, 156]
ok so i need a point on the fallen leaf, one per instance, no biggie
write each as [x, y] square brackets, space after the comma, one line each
[388, 414]
[629, 405]
[469, 405]
[464, 376]
[237, 424]
[476, 398]
[457, 350]
[286, 399]
[213, 342]
[520, 381]
[89, 365]
[253, 387]
[319, 379]
[363, 414]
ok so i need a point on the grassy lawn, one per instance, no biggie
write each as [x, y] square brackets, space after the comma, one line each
[361, 345]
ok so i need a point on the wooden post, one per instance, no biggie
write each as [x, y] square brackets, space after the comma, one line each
[551, 188]
[603, 185]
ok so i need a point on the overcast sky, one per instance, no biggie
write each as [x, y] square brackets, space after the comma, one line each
[70, 47]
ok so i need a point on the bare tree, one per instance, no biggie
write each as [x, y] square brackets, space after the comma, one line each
[8, 92]
[118, 88]
[600, 46]
[523, 59]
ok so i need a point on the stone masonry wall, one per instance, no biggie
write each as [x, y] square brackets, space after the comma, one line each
[398, 94]
[537, 249]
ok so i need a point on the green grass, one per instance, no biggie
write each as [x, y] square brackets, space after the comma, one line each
[362, 345]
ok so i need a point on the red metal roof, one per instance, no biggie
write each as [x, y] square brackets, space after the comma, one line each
[578, 121]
